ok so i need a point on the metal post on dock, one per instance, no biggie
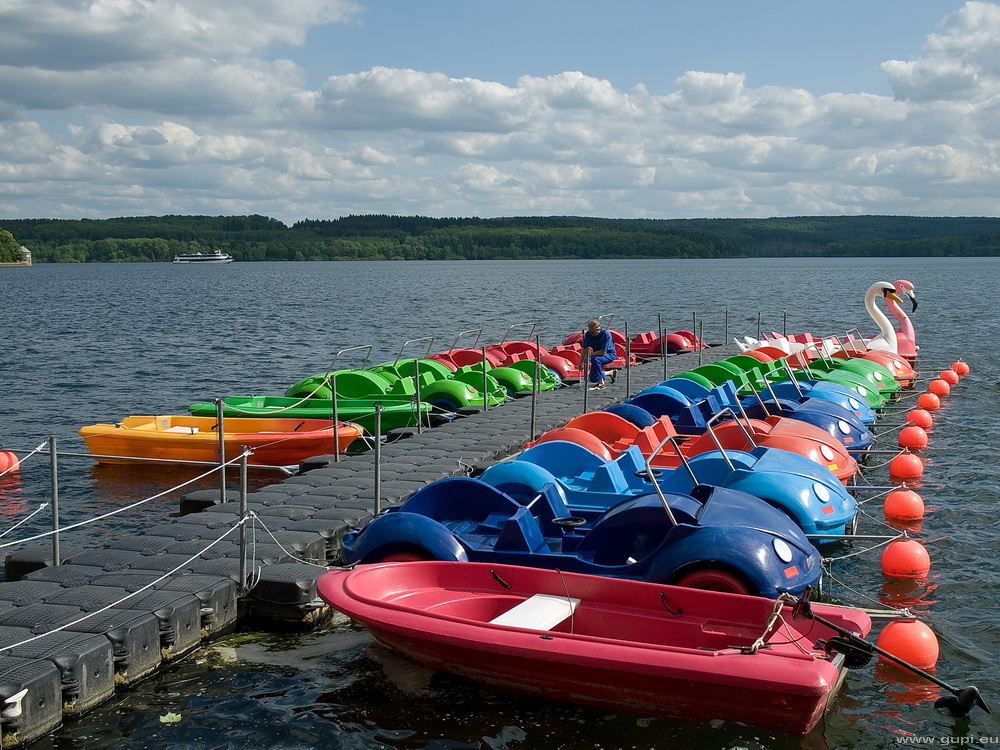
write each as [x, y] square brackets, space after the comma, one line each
[221, 427]
[378, 460]
[759, 318]
[416, 382]
[663, 349]
[536, 387]
[663, 343]
[54, 479]
[336, 418]
[243, 525]
[486, 399]
[725, 329]
[628, 361]
[784, 322]
[701, 343]
[584, 371]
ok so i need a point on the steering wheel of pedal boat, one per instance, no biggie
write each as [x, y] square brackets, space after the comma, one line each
[569, 522]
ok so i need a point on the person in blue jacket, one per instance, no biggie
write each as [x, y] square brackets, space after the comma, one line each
[597, 342]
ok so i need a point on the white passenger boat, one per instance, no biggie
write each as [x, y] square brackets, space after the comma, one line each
[216, 256]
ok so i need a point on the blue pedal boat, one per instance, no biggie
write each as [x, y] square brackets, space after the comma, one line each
[797, 487]
[713, 538]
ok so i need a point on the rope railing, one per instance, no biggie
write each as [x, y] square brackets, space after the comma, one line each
[24, 520]
[28, 454]
[132, 594]
[117, 511]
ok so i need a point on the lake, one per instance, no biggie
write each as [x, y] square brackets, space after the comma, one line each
[94, 343]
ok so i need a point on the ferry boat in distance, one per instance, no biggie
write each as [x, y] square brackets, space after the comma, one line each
[216, 256]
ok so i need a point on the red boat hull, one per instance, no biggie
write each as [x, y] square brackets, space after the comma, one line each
[630, 645]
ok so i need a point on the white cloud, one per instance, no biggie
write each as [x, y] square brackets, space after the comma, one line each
[962, 63]
[392, 99]
[111, 107]
[574, 90]
[87, 34]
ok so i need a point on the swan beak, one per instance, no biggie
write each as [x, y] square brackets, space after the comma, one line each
[891, 294]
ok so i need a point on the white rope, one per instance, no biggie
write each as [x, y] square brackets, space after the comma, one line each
[27, 518]
[876, 496]
[865, 551]
[123, 508]
[885, 463]
[257, 520]
[796, 640]
[19, 461]
[865, 597]
[257, 570]
[769, 627]
[128, 596]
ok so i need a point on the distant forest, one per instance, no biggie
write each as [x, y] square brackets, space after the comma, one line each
[378, 237]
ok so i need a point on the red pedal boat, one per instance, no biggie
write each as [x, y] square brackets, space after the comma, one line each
[617, 644]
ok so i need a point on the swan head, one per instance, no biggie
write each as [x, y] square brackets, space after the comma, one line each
[905, 289]
[888, 291]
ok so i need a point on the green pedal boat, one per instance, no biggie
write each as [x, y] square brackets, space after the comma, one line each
[395, 412]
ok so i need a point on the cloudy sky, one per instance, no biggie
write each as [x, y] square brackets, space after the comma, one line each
[638, 108]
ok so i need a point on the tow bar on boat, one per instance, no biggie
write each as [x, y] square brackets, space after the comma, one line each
[858, 652]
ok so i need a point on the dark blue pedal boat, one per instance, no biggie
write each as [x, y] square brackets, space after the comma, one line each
[714, 538]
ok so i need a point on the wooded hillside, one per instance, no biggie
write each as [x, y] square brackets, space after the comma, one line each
[380, 237]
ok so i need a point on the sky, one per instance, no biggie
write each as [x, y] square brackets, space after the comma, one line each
[640, 108]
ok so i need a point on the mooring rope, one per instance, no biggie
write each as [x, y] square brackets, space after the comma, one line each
[882, 608]
[19, 461]
[900, 535]
[140, 590]
[257, 520]
[123, 509]
[776, 622]
[876, 496]
[27, 518]
[885, 463]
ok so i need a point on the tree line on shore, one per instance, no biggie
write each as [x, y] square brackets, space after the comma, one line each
[384, 237]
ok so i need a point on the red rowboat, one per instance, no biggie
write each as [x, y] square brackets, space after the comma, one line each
[613, 643]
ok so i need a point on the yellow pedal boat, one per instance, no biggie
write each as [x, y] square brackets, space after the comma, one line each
[274, 441]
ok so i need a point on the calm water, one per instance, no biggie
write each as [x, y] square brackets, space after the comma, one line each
[89, 343]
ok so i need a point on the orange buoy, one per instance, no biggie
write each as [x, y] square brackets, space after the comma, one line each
[921, 418]
[913, 437]
[906, 558]
[903, 505]
[928, 401]
[939, 387]
[912, 641]
[906, 466]
[960, 367]
[9, 461]
[949, 376]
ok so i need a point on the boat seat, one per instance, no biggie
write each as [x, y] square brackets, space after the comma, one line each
[460, 499]
[578, 468]
[538, 612]
[521, 533]
[627, 533]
